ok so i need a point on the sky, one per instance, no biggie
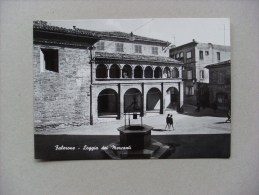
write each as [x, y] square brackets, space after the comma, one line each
[177, 31]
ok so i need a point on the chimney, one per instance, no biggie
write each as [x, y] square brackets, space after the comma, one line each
[74, 27]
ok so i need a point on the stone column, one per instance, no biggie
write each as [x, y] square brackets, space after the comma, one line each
[108, 73]
[144, 99]
[162, 109]
[119, 102]
[133, 76]
[121, 97]
[121, 73]
[143, 73]
[181, 91]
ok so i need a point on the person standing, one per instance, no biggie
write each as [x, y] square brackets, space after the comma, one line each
[167, 121]
[171, 121]
[229, 117]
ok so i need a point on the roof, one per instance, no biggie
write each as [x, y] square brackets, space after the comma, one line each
[220, 64]
[119, 56]
[202, 46]
[43, 25]
[217, 47]
[128, 36]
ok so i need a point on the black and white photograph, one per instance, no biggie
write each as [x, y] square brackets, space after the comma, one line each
[110, 89]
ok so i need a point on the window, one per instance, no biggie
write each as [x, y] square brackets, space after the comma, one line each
[207, 53]
[155, 50]
[100, 46]
[189, 74]
[138, 49]
[221, 79]
[201, 55]
[172, 56]
[50, 61]
[189, 90]
[218, 56]
[177, 55]
[202, 74]
[189, 54]
[119, 47]
[181, 55]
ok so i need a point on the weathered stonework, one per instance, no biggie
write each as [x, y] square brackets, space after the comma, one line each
[63, 97]
[220, 84]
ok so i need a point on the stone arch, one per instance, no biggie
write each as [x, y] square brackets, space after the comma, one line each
[149, 72]
[101, 71]
[138, 72]
[172, 98]
[175, 73]
[166, 72]
[107, 102]
[158, 72]
[127, 71]
[114, 71]
[154, 100]
[133, 100]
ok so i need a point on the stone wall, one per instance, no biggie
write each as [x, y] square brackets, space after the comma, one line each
[61, 98]
[216, 87]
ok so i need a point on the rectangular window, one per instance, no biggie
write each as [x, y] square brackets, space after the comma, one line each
[186, 91]
[201, 55]
[119, 47]
[50, 60]
[202, 74]
[218, 56]
[155, 50]
[189, 54]
[189, 74]
[207, 53]
[189, 90]
[138, 49]
[100, 46]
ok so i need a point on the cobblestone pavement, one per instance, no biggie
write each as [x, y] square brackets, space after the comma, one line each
[207, 121]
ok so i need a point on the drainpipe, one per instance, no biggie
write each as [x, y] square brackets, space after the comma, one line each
[91, 90]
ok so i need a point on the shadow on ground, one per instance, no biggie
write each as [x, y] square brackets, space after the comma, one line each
[191, 111]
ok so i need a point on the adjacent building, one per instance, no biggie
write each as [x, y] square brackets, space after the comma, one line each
[196, 56]
[84, 77]
[220, 85]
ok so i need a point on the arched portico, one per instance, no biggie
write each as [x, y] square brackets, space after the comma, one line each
[175, 73]
[101, 71]
[126, 71]
[166, 73]
[133, 100]
[148, 72]
[172, 98]
[107, 102]
[158, 72]
[154, 100]
[114, 71]
[138, 72]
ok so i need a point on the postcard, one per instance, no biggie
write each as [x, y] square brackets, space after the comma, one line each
[153, 88]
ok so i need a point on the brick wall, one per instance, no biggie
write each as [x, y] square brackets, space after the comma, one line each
[62, 98]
